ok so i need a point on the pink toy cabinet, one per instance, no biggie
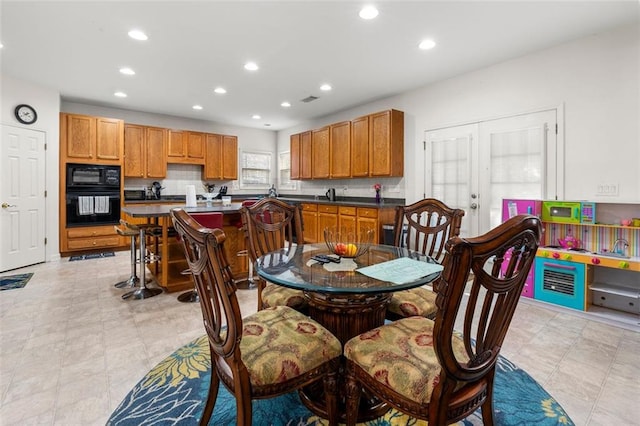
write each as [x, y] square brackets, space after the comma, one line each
[513, 207]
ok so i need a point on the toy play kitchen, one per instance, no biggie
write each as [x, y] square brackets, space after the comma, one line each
[590, 255]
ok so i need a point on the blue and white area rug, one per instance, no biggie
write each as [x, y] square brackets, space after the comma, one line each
[9, 282]
[174, 391]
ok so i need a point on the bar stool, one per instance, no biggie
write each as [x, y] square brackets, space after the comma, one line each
[127, 230]
[245, 252]
[208, 220]
[144, 292]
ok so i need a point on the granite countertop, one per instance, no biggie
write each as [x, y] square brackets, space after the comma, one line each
[341, 201]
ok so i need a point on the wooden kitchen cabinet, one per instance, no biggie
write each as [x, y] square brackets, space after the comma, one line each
[320, 153]
[221, 157]
[360, 147]
[309, 214]
[367, 218]
[327, 218]
[89, 238]
[294, 154]
[88, 139]
[145, 151]
[185, 147]
[339, 150]
[386, 143]
[347, 219]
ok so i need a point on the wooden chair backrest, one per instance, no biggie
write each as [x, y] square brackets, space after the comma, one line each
[269, 225]
[493, 268]
[429, 225]
[214, 282]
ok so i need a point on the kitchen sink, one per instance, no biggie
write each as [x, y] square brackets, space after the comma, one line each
[612, 254]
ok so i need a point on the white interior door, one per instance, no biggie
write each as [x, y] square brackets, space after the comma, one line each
[22, 197]
[474, 166]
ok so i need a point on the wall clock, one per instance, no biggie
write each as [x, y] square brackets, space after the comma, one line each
[26, 114]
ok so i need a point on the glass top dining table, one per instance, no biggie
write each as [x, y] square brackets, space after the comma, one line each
[345, 300]
[298, 270]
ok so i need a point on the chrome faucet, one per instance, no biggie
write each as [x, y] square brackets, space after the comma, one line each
[623, 243]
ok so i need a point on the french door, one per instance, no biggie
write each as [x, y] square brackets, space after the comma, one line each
[474, 166]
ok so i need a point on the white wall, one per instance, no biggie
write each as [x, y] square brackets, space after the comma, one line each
[596, 79]
[47, 104]
[180, 175]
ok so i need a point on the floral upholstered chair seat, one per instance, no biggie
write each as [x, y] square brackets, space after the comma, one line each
[419, 301]
[280, 343]
[277, 295]
[401, 356]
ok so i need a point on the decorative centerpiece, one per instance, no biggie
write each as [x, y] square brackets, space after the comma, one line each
[347, 244]
[378, 188]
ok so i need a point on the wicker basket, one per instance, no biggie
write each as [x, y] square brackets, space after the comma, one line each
[347, 244]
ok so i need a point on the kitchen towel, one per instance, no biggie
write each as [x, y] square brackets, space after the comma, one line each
[191, 196]
[101, 204]
[85, 206]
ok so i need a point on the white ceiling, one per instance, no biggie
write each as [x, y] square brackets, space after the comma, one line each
[78, 47]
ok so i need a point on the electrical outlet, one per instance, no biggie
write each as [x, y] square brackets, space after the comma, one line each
[607, 189]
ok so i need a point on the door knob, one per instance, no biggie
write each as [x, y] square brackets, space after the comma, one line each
[473, 206]
[5, 205]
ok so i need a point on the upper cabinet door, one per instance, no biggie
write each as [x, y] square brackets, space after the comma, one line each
[294, 153]
[176, 147]
[134, 151]
[386, 143]
[79, 133]
[360, 147]
[340, 149]
[229, 157]
[195, 147]
[320, 153]
[306, 156]
[109, 139]
[213, 157]
[156, 152]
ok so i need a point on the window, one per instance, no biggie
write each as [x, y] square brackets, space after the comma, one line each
[255, 170]
[284, 171]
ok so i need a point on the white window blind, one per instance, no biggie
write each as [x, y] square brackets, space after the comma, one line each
[255, 169]
[284, 171]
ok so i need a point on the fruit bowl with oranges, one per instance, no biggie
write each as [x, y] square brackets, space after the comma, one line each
[346, 243]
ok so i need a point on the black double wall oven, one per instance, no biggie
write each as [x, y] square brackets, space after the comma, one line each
[92, 194]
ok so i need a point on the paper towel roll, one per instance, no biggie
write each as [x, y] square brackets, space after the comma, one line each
[191, 196]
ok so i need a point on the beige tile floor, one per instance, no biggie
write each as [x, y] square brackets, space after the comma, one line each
[71, 348]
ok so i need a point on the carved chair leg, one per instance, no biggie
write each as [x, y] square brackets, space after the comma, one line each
[211, 397]
[487, 405]
[354, 392]
[330, 392]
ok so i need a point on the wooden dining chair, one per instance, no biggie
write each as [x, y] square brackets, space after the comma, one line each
[426, 368]
[272, 352]
[424, 226]
[269, 225]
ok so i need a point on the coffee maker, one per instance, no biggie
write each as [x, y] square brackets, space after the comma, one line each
[331, 194]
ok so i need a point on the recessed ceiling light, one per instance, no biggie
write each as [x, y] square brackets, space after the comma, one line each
[127, 71]
[220, 90]
[251, 66]
[138, 35]
[368, 12]
[427, 44]
[120, 94]
[1, 45]
[325, 87]
[197, 107]
[285, 104]
[256, 117]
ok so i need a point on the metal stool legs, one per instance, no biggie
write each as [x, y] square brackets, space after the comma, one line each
[143, 292]
[133, 279]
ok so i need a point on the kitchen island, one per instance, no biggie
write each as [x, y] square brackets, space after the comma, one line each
[167, 270]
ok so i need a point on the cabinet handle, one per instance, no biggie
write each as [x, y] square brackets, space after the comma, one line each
[553, 265]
